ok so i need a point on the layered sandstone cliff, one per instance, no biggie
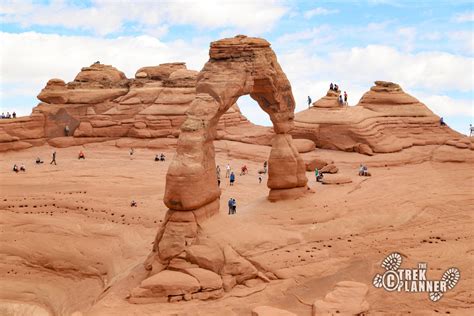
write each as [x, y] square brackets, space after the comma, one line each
[102, 104]
[386, 119]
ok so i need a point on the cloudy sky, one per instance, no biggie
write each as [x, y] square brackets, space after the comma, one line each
[425, 46]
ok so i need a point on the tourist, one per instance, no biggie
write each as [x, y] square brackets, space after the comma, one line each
[366, 171]
[345, 97]
[14, 114]
[336, 87]
[3, 115]
[54, 158]
[218, 171]
[230, 204]
[361, 170]
[441, 122]
[259, 179]
[157, 158]
[131, 153]
[8, 115]
[232, 178]
[234, 206]
[81, 155]
[162, 157]
[331, 86]
[218, 180]
[265, 164]
[15, 168]
[471, 130]
[133, 204]
[66, 130]
[309, 101]
[227, 171]
[38, 160]
[22, 167]
[316, 174]
[341, 102]
[243, 170]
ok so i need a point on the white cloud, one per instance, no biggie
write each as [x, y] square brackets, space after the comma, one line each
[444, 105]
[319, 11]
[464, 17]
[106, 16]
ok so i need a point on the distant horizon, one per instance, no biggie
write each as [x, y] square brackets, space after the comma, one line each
[426, 48]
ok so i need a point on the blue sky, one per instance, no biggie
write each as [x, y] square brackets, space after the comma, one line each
[425, 46]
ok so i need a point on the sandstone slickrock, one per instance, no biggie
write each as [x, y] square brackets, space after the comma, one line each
[270, 311]
[347, 298]
[336, 180]
[330, 100]
[304, 145]
[386, 119]
[316, 163]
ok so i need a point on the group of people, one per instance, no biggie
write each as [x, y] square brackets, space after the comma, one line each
[160, 157]
[232, 206]
[342, 99]
[8, 115]
[18, 169]
[363, 171]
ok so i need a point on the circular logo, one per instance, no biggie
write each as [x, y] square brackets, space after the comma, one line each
[390, 280]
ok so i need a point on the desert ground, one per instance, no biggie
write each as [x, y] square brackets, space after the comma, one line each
[71, 244]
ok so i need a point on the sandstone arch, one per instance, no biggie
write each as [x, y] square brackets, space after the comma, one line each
[237, 66]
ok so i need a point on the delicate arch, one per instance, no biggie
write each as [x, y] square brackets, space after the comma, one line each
[237, 66]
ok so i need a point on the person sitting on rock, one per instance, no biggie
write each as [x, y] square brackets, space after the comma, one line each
[3, 115]
[157, 158]
[22, 167]
[441, 122]
[318, 175]
[15, 168]
[38, 160]
[336, 87]
[243, 170]
[8, 115]
[331, 86]
[232, 178]
[133, 204]
[162, 157]
[81, 155]
[14, 114]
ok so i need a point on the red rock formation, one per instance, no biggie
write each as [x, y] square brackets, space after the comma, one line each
[386, 120]
[237, 66]
[102, 104]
